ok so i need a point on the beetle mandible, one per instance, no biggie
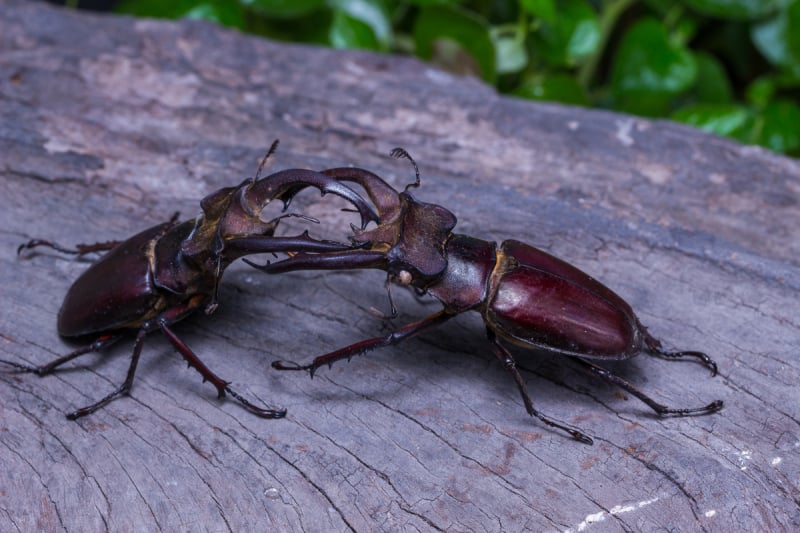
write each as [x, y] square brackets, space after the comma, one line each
[524, 295]
[165, 273]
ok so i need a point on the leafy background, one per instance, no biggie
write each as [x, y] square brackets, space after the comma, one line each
[727, 66]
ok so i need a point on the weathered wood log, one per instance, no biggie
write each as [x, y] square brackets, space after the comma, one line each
[110, 124]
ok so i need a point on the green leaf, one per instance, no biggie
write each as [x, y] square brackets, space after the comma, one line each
[155, 8]
[735, 9]
[760, 91]
[313, 27]
[712, 85]
[371, 13]
[348, 32]
[283, 8]
[219, 11]
[426, 3]
[512, 56]
[555, 87]
[649, 70]
[779, 127]
[225, 13]
[572, 37]
[778, 39]
[721, 119]
[438, 24]
[544, 9]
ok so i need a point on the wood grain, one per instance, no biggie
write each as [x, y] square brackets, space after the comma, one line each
[108, 125]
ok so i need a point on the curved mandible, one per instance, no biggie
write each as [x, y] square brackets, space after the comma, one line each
[285, 184]
[385, 198]
[383, 195]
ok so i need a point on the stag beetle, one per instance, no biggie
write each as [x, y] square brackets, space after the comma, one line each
[525, 296]
[169, 271]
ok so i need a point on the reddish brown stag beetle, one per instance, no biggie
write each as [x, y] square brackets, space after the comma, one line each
[169, 271]
[525, 296]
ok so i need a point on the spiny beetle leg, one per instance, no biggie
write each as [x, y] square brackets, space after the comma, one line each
[654, 405]
[362, 347]
[193, 361]
[508, 362]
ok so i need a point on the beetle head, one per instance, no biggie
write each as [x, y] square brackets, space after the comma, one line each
[413, 240]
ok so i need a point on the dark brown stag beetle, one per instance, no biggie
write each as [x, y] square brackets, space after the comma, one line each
[525, 296]
[169, 271]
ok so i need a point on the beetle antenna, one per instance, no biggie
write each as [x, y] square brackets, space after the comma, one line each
[264, 160]
[401, 153]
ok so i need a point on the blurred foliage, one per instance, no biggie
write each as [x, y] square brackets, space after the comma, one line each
[727, 66]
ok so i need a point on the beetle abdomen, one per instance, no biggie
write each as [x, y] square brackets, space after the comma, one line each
[116, 291]
[543, 302]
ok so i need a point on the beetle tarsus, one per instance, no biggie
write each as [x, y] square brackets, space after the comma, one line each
[702, 358]
[289, 365]
[259, 411]
[89, 409]
[80, 249]
[659, 408]
[47, 368]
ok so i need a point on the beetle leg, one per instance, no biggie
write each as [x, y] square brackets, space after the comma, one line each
[80, 249]
[704, 358]
[213, 304]
[83, 249]
[654, 405]
[387, 319]
[43, 370]
[508, 362]
[359, 348]
[221, 385]
[169, 316]
[177, 313]
[126, 385]
[654, 348]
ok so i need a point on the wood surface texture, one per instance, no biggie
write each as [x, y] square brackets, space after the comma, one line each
[108, 125]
